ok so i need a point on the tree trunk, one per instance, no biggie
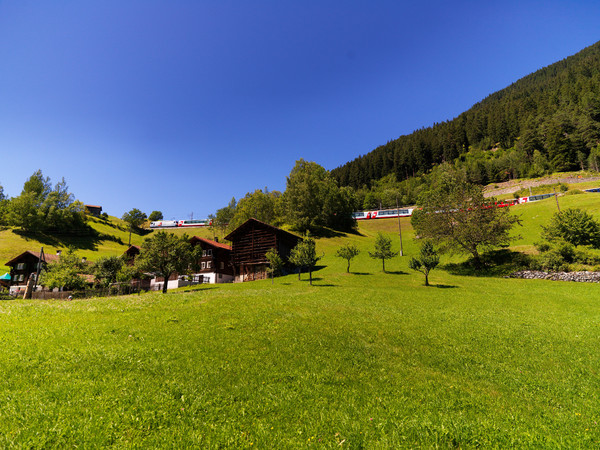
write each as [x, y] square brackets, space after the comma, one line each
[476, 259]
[383, 264]
[348, 268]
[166, 283]
[426, 279]
[310, 276]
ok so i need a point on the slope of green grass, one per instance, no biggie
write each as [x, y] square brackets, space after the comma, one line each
[365, 359]
[112, 239]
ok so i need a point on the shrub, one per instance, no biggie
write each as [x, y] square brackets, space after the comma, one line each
[574, 192]
[574, 226]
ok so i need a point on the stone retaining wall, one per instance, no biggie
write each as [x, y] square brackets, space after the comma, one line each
[582, 277]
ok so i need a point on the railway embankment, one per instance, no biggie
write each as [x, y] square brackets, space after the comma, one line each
[509, 187]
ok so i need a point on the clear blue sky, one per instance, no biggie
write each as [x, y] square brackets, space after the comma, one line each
[180, 105]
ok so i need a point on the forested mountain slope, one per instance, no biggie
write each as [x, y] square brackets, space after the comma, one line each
[546, 121]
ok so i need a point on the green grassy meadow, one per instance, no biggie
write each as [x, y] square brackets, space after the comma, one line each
[360, 360]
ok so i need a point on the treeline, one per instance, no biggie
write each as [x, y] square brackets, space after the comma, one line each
[547, 121]
[312, 201]
[43, 207]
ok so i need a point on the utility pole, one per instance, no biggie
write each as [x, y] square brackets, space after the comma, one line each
[399, 227]
[39, 266]
[556, 197]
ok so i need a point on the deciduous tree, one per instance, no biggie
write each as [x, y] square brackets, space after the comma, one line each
[134, 218]
[275, 263]
[165, 254]
[41, 207]
[155, 215]
[65, 273]
[348, 252]
[574, 226]
[455, 213]
[304, 256]
[383, 249]
[107, 268]
[427, 260]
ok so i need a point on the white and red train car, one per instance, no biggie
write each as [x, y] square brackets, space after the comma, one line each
[181, 223]
[407, 212]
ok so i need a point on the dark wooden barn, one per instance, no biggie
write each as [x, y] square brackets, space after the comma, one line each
[251, 241]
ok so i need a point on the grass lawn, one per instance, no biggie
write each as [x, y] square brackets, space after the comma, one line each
[365, 359]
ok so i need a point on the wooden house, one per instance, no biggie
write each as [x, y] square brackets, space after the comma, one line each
[24, 266]
[130, 254]
[93, 210]
[251, 241]
[215, 262]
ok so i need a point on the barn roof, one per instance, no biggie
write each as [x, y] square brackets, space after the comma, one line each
[254, 222]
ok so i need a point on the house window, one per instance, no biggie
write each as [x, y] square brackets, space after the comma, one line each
[203, 265]
[222, 265]
[20, 266]
[21, 277]
[209, 264]
[203, 252]
[209, 252]
[16, 277]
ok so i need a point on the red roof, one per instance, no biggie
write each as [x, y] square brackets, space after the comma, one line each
[209, 242]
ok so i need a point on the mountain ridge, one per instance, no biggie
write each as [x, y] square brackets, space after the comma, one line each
[554, 111]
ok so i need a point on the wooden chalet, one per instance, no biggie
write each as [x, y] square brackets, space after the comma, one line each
[251, 241]
[215, 262]
[130, 254]
[93, 210]
[23, 266]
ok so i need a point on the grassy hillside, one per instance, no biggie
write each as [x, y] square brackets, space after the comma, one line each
[365, 359]
[112, 239]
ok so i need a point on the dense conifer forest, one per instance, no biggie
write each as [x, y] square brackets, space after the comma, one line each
[547, 121]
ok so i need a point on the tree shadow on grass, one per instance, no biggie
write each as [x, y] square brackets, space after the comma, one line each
[443, 286]
[360, 273]
[83, 240]
[496, 263]
[202, 289]
[316, 279]
[396, 272]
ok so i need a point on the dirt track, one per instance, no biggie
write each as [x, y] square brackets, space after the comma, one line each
[508, 187]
